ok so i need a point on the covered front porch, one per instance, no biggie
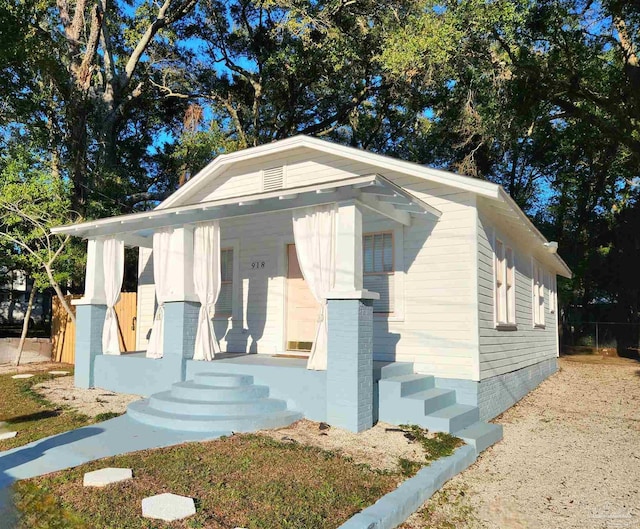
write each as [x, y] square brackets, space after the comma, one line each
[341, 391]
[288, 378]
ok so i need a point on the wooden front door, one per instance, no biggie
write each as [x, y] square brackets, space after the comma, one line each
[302, 308]
[126, 309]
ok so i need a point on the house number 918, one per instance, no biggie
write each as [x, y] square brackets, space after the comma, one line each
[257, 265]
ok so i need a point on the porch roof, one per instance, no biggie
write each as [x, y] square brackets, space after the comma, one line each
[373, 191]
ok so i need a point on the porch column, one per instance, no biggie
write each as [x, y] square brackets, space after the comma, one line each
[350, 324]
[90, 314]
[181, 306]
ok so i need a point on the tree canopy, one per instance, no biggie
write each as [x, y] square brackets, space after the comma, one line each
[124, 100]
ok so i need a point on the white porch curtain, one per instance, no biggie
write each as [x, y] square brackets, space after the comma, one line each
[161, 278]
[206, 279]
[314, 236]
[113, 265]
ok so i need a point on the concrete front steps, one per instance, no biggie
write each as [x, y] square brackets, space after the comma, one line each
[214, 402]
[409, 398]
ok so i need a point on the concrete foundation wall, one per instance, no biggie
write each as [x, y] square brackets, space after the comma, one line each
[497, 394]
[133, 374]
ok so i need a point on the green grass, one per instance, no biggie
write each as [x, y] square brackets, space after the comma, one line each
[408, 467]
[438, 445]
[32, 416]
[435, 446]
[106, 416]
[242, 481]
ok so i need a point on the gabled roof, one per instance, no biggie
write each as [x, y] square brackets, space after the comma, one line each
[180, 206]
[209, 173]
[506, 206]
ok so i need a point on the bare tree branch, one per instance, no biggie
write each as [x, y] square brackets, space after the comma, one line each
[63, 8]
[109, 66]
[632, 63]
[86, 66]
[75, 29]
[162, 20]
[168, 92]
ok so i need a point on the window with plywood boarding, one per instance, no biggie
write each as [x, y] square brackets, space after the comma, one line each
[378, 269]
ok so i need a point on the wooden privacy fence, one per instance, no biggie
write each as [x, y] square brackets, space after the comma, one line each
[63, 330]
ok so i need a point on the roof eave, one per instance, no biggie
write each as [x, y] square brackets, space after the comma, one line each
[563, 269]
[371, 189]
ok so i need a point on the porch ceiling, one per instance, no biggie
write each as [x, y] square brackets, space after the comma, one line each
[372, 191]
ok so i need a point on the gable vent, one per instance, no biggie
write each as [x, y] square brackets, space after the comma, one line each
[273, 178]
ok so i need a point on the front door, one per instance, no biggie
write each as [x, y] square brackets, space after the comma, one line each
[302, 308]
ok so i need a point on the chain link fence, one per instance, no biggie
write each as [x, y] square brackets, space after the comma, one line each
[605, 337]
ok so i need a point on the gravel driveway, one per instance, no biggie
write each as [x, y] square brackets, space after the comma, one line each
[570, 458]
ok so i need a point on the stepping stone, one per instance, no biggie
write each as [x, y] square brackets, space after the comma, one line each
[7, 435]
[23, 375]
[168, 507]
[106, 476]
[58, 372]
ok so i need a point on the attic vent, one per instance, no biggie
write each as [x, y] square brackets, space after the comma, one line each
[273, 178]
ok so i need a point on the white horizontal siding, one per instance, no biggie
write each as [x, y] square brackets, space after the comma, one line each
[258, 322]
[503, 351]
[435, 326]
[436, 331]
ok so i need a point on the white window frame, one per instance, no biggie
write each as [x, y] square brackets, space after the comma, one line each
[398, 266]
[234, 245]
[382, 272]
[553, 293]
[537, 294]
[504, 274]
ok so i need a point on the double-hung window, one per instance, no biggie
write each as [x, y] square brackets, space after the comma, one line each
[553, 293]
[538, 294]
[378, 269]
[224, 305]
[505, 288]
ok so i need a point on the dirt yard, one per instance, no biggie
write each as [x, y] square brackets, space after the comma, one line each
[91, 402]
[570, 458]
[379, 447]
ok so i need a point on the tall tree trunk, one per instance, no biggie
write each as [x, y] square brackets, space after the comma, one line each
[77, 116]
[59, 293]
[109, 135]
[25, 324]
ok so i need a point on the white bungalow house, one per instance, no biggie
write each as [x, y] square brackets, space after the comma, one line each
[305, 278]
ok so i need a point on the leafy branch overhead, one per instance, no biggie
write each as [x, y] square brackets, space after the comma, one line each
[124, 101]
[32, 203]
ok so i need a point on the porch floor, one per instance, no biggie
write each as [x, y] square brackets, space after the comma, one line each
[255, 359]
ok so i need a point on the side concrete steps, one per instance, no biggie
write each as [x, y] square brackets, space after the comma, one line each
[409, 398]
[214, 402]
[481, 435]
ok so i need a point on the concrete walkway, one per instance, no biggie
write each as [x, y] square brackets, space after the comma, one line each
[109, 438]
